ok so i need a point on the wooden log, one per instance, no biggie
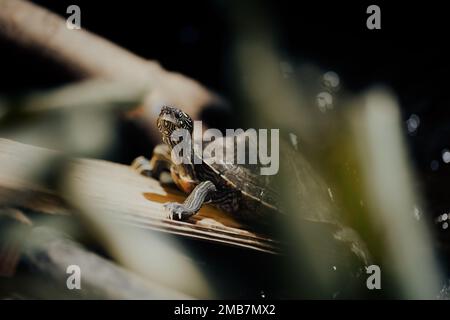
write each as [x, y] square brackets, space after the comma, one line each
[114, 191]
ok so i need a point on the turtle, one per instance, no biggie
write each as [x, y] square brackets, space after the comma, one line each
[239, 189]
[234, 188]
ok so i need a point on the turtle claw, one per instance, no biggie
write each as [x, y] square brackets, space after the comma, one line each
[177, 211]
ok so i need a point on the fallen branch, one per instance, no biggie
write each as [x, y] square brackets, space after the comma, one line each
[90, 56]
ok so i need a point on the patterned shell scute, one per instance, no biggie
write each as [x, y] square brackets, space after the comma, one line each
[244, 177]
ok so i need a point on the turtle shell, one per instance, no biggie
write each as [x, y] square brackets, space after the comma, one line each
[301, 184]
[245, 178]
[297, 178]
[307, 193]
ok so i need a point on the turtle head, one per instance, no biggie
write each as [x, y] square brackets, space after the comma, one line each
[171, 119]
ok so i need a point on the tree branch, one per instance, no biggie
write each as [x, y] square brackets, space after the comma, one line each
[90, 56]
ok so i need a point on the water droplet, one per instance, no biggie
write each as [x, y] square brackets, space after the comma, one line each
[444, 217]
[413, 123]
[324, 101]
[263, 295]
[331, 79]
[434, 165]
[446, 156]
[445, 225]
[334, 268]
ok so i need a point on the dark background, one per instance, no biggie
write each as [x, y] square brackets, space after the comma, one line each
[409, 54]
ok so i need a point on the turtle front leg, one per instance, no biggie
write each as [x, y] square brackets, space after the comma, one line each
[159, 162]
[193, 202]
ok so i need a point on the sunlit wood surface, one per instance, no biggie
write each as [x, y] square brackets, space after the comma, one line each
[110, 189]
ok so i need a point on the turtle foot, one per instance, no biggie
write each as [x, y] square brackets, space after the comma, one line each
[177, 211]
[143, 166]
